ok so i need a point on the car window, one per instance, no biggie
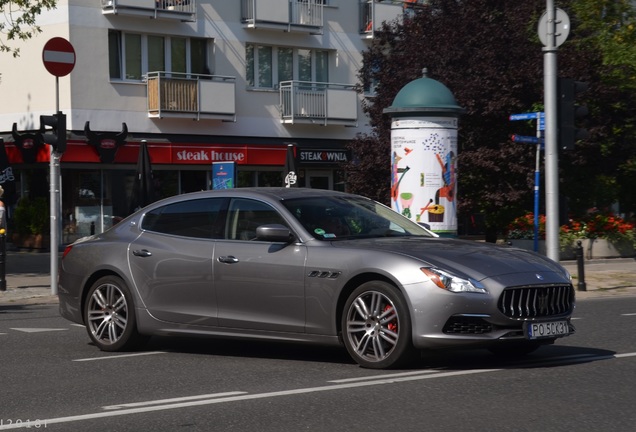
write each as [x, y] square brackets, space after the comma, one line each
[198, 218]
[245, 215]
[330, 218]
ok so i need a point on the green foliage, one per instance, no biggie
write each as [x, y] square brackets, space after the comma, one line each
[31, 216]
[20, 21]
[493, 64]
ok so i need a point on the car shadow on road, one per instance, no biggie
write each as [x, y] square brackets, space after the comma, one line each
[250, 349]
[548, 356]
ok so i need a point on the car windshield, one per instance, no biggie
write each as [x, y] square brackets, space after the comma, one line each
[350, 217]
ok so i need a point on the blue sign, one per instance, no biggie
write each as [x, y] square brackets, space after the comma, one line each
[527, 116]
[223, 175]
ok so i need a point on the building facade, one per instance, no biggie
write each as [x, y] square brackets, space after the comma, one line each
[201, 81]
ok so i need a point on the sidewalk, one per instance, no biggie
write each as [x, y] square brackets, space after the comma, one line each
[28, 278]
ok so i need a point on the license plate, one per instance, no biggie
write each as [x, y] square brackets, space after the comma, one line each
[550, 329]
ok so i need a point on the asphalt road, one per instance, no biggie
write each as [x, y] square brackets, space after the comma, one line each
[52, 378]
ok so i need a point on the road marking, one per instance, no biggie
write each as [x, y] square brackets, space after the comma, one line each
[625, 355]
[38, 330]
[629, 314]
[401, 374]
[119, 356]
[242, 396]
[181, 399]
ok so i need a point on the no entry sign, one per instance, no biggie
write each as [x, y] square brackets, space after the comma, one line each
[58, 56]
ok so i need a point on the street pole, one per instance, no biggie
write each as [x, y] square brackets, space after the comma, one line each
[551, 148]
[54, 195]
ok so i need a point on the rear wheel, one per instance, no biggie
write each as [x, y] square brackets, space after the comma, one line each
[109, 314]
[376, 326]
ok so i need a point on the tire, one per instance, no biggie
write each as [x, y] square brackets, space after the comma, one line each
[376, 326]
[109, 314]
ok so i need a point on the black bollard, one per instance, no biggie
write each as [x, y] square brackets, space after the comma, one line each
[93, 228]
[580, 266]
[3, 260]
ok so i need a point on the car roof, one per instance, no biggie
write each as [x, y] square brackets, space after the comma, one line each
[276, 193]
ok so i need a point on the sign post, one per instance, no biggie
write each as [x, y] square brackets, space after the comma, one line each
[540, 142]
[58, 56]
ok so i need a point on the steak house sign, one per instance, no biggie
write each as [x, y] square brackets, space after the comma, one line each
[323, 156]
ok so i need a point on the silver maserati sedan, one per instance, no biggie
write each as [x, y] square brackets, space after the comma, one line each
[312, 266]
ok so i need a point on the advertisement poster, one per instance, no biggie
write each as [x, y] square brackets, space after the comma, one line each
[424, 171]
[223, 175]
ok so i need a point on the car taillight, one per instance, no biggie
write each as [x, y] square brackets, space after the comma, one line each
[67, 250]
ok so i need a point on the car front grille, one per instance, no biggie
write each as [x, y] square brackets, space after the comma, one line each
[537, 301]
[466, 325]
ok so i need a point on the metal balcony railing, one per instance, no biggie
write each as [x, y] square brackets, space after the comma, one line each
[318, 103]
[194, 96]
[290, 15]
[184, 10]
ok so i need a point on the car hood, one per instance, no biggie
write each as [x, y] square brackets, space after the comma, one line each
[464, 258]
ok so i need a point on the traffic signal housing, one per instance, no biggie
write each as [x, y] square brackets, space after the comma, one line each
[55, 137]
[569, 111]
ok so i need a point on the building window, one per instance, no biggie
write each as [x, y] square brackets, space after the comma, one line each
[267, 66]
[131, 55]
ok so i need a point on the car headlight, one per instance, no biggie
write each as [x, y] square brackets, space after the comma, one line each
[451, 282]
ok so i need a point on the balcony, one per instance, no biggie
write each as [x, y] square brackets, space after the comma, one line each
[374, 12]
[192, 96]
[182, 10]
[304, 16]
[324, 104]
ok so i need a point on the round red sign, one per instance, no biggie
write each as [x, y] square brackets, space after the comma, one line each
[58, 56]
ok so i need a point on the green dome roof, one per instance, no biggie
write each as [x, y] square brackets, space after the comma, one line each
[425, 95]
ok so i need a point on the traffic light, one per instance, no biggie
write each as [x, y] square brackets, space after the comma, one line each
[57, 135]
[569, 111]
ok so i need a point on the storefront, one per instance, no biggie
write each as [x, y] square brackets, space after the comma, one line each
[97, 178]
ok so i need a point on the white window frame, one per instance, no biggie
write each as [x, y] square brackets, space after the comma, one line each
[274, 65]
[145, 54]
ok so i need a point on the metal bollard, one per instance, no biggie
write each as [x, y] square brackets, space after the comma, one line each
[580, 266]
[3, 259]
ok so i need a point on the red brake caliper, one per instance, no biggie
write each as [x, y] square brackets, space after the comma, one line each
[393, 324]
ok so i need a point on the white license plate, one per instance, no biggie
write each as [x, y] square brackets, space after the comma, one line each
[539, 330]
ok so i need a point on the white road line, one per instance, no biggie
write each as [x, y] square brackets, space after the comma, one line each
[629, 314]
[163, 401]
[241, 396]
[401, 374]
[119, 356]
[625, 355]
[38, 330]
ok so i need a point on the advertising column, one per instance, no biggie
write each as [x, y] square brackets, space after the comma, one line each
[424, 171]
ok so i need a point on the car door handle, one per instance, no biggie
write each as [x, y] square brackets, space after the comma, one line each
[228, 259]
[142, 253]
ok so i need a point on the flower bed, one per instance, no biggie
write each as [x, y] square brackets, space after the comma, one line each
[602, 235]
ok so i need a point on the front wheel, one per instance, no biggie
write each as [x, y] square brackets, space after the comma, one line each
[376, 326]
[109, 314]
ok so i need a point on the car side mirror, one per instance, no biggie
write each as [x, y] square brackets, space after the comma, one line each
[274, 233]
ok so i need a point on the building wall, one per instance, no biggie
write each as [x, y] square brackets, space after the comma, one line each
[88, 94]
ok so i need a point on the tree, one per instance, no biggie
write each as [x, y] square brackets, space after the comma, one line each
[487, 53]
[20, 21]
[602, 170]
